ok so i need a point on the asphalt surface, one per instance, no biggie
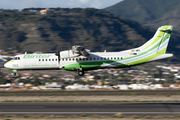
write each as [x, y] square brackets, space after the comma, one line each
[102, 93]
[100, 108]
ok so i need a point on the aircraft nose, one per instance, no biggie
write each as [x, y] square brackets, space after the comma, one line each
[7, 65]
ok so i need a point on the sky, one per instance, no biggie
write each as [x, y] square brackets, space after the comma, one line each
[21, 4]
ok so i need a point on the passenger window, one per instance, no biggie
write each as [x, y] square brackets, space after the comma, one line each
[84, 59]
[52, 59]
[90, 58]
[42, 59]
[76, 59]
[56, 59]
[111, 58]
[69, 59]
[79, 58]
[121, 58]
[114, 58]
[73, 59]
[94, 58]
[39, 59]
[49, 59]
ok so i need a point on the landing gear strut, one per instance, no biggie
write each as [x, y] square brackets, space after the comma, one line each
[80, 72]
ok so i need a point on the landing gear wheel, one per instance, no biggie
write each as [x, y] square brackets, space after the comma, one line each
[80, 72]
[14, 74]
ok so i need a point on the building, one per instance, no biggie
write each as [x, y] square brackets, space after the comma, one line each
[53, 86]
[45, 11]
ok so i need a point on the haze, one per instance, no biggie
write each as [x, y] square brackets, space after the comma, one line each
[20, 4]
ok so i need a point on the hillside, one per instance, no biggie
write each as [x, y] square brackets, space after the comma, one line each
[153, 13]
[94, 29]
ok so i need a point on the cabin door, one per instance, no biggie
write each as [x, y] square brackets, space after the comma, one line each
[128, 59]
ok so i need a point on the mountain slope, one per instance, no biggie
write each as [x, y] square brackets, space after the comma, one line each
[92, 28]
[149, 12]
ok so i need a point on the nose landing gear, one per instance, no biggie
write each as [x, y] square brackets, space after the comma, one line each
[14, 74]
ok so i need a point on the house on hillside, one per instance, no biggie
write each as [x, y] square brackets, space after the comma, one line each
[45, 11]
[166, 85]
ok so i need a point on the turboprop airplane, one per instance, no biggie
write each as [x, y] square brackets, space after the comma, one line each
[80, 59]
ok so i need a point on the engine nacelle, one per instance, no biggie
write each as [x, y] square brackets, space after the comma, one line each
[77, 49]
[68, 54]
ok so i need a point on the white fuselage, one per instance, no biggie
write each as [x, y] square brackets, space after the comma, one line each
[50, 60]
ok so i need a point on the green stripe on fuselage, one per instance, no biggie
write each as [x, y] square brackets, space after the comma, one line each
[158, 37]
[144, 60]
[88, 65]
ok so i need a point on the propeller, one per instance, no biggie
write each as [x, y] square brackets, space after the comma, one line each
[58, 53]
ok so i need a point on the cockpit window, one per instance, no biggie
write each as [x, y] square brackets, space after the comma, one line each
[16, 58]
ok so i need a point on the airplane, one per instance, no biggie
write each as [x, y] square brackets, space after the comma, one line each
[80, 59]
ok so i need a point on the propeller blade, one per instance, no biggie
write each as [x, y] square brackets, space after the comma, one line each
[58, 53]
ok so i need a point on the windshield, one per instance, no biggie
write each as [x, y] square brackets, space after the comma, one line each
[16, 58]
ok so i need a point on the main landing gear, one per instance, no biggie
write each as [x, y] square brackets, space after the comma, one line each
[80, 72]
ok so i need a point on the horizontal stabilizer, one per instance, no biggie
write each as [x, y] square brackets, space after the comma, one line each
[162, 57]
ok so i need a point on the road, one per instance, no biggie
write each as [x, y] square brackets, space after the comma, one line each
[100, 108]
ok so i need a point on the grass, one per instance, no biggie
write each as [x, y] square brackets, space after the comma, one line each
[84, 93]
[118, 115]
[94, 98]
[168, 95]
[26, 116]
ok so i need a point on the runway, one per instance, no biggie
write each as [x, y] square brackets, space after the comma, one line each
[98, 108]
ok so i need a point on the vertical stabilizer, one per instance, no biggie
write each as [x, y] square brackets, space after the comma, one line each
[160, 40]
